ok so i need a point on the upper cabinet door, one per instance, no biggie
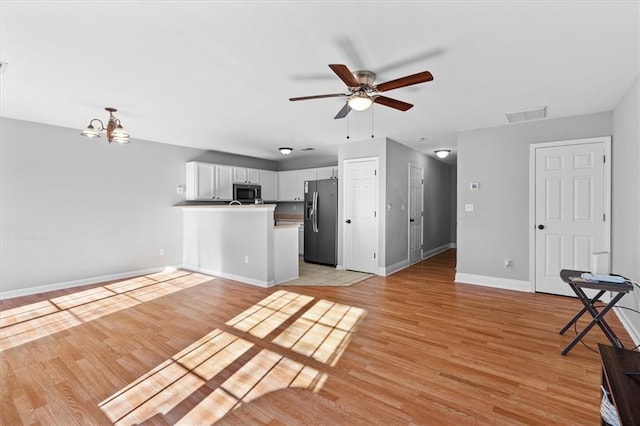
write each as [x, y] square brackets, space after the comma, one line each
[287, 184]
[224, 183]
[244, 175]
[200, 180]
[269, 182]
[240, 174]
[254, 176]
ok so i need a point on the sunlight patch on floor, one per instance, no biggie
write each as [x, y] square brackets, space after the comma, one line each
[230, 371]
[37, 320]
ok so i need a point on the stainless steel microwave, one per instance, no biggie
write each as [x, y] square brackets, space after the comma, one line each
[247, 192]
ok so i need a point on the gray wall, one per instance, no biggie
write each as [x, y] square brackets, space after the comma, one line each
[436, 197]
[625, 194]
[498, 159]
[437, 204]
[74, 208]
[393, 174]
[454, 202]
[218, 157]
[309, 161]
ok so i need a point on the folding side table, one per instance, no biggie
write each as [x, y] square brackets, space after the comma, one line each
[573, 278]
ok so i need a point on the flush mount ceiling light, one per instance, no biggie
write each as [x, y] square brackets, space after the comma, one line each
[359, 101]
[442, 153]
[528, 114]
[114, 130]
[285, 151]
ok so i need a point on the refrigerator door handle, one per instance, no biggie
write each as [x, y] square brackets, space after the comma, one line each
[315, 211]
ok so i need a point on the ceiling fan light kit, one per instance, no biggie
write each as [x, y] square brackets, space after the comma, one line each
[114, 130]
[363, 92]
[360, 101]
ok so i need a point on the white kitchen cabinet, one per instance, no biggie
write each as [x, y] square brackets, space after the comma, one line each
[254, 176]
[327, 172]
[206, 182]
[291, 183]
[244, 175]
[200, 181]
[269, 182]
[224, 183]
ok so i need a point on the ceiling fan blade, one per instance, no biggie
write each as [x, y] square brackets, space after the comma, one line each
[419, 57]
[421, 77]
[345, 75]
[393, 103]
[343, 112]
[304, 98]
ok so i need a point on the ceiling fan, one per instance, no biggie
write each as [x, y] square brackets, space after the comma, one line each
[363, 93]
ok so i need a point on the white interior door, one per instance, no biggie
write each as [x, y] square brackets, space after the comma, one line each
[416, 184]
[360, 215]
[570, 212]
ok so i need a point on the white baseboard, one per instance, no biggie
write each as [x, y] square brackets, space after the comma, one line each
[495, 282]
[430, 253]
[77, 283]
[239, 278]
[393, 268]
[628, 325]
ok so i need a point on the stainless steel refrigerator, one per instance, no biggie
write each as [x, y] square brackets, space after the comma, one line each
[321, 221]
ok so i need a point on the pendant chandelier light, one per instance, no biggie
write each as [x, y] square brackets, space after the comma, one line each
[114, 130]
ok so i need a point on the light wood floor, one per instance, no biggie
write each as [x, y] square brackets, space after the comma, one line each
[182, 348]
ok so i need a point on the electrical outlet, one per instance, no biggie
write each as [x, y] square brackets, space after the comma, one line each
[246, 259]
[468, 207]
[161, 252]
[508, 263]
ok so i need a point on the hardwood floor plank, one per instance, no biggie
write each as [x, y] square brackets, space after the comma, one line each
[411, 348]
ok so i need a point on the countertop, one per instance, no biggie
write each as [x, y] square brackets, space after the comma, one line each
[293, 225]
[209, 205]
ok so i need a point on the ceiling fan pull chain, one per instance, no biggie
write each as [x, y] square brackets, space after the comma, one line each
[371, 121]
[347, 127]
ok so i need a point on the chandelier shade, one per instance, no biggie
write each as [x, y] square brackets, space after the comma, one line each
[113, 130]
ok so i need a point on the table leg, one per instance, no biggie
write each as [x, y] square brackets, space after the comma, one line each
[577, 291]
[597, 319]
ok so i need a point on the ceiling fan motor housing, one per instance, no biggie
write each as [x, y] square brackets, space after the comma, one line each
[366, 78]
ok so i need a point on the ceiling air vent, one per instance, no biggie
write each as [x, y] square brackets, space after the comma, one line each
[307, 149]
[528, 114]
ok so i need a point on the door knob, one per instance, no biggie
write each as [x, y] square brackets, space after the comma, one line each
[412, 220]
[348, 220]
[540, 226]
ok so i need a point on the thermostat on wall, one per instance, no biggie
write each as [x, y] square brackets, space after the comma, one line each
[474, 186]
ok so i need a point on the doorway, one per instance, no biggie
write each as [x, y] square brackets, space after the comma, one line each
[569, 208]
[416, 189]
[360, 215]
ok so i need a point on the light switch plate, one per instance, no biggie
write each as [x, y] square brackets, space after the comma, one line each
[468, 207]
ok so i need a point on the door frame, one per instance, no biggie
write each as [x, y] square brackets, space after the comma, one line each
[415, 166]
[606, 140]
[344, 208]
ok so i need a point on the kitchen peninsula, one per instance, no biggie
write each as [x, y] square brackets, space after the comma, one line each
[239, 242]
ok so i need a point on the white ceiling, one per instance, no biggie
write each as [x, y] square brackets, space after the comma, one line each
[218, 75]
